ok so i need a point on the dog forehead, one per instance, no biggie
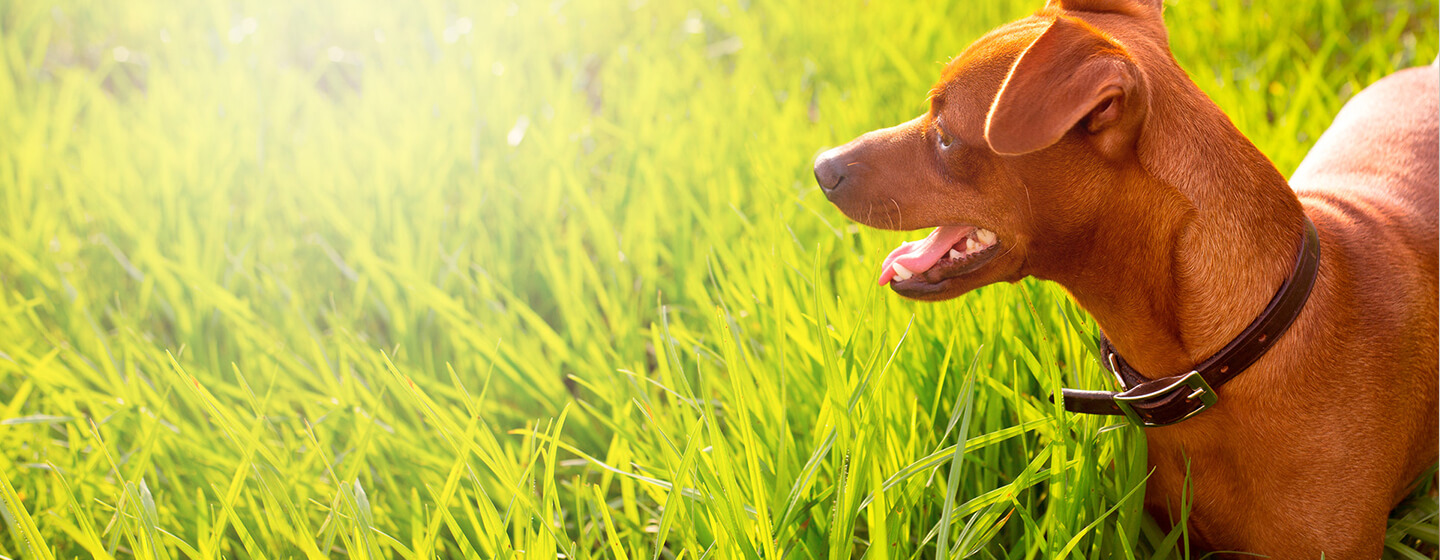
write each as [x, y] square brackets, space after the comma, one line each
[969, 82]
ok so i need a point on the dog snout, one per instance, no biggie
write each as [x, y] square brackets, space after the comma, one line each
[829, 170]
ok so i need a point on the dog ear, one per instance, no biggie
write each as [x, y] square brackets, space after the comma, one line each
[1071, 72]
[1138, 8]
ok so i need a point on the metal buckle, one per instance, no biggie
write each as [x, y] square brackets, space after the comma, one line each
[1200, 397]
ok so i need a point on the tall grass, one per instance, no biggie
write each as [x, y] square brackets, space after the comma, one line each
[549, 280]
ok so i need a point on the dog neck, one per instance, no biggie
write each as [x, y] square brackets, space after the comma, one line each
[1208, 234]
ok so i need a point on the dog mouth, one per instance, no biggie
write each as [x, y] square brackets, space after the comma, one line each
[948, 252]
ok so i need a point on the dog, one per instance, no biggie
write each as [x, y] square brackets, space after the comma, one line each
[1070, 146]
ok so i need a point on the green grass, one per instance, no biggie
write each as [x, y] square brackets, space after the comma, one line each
[549, 278]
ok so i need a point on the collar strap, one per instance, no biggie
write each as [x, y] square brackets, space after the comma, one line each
[1167, 400]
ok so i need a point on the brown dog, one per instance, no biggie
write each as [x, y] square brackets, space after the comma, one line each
[1071, 147]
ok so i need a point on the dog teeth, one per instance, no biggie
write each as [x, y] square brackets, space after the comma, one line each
[970, 246]
[986, 237]
[955, 254]
[901, 272]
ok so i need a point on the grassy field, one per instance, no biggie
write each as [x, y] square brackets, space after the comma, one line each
[550, 280]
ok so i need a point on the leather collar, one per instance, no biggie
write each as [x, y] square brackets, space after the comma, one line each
[1167, 400]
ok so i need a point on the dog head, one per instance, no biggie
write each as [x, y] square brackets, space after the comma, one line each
[1014, 164]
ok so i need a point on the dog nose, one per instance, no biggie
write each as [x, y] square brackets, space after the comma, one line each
[829, 172]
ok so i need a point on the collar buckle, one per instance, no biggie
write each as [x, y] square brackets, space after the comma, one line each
[1166, 400]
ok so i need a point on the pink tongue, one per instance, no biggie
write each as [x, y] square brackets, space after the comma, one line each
[918, 256]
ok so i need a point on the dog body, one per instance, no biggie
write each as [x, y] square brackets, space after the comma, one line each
[1070, 146]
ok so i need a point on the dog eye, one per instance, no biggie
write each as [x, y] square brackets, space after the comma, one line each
[945, 140]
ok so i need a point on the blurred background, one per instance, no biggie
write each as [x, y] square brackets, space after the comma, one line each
[550, 279]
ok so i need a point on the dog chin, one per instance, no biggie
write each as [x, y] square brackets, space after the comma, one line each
[948, 288]
[925, 287]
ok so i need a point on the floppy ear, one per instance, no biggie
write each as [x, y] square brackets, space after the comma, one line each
[1139, 8]
[1070, 73]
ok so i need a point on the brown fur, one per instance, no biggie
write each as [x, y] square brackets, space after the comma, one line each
[1083, 145]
